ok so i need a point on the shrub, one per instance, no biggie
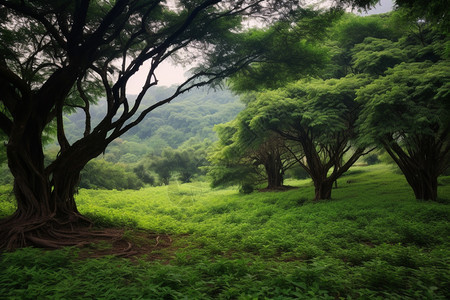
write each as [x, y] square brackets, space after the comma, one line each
[100, 174]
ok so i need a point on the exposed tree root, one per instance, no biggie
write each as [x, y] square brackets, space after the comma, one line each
[49, 232]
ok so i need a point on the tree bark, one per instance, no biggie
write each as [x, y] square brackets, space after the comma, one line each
[322, 188]
[420, 166]
[46, 214]
[274, 171]
[423, 184]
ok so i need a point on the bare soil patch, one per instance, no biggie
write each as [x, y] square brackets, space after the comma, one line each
[127, 243]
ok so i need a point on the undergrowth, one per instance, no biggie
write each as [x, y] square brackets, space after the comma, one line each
[372, 240]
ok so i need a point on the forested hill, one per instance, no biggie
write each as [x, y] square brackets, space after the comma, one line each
[190, 116]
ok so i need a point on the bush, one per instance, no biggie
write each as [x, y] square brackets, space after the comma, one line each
[100, 174]
[246, 188]
[372, 159]
[5, 175]
[297, 172]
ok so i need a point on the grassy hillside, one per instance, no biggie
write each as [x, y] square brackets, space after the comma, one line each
[372, 240]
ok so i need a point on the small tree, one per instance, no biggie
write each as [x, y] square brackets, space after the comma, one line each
[247, 158]
[228, 165]
[186, 163]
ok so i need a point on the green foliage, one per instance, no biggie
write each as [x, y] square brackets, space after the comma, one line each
[318, 117]
[100, 174]
[435, 12]
[352, 30]
[231, 163]
[372, 159]
[403, 110]
[7, 200]
[186, 162]
[374, 56]
[297, 172]
[288, 50]
[143, 175]
[372, 241]
[412, 97]
[411, 103]
[5, 175]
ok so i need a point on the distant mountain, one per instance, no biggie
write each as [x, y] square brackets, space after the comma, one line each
[190, 117]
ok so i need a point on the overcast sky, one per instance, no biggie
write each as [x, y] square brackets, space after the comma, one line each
[168, 74]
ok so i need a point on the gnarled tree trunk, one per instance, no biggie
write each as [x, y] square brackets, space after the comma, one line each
[46, 214]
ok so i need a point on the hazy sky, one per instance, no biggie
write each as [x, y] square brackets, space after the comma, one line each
[382, 7]
[168, 74]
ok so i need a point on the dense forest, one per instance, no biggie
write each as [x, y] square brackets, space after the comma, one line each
[305, 156]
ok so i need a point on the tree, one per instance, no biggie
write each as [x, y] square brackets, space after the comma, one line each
[320, 116]
[274, 156]
[100, 174]
[227, 164]
[185, 161]
[351, 31]
[54, 55]
[247, 158]
[407, 112]
[163, 165]
[143, 175]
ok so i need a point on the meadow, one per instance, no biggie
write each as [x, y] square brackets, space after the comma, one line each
[373, 240]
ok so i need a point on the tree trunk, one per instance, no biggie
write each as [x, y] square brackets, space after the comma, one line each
[420, 167]
[46, 213]
[424, 184]
[323, 189]
[274, 172]
[274, 180]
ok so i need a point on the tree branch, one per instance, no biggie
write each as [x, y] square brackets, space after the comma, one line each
[36, 15]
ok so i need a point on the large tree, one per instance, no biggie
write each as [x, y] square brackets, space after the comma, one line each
[320, 117]
[406, 107]
[407, 112]
[57, 55]
[317, 116]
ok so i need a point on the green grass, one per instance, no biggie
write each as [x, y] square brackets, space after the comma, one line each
[372, 240]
